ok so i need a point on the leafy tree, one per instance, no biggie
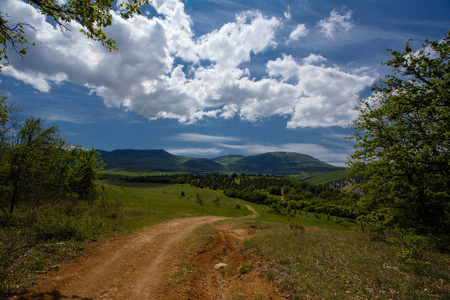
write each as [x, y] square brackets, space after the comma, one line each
[83, 170]
[402, 150]
[31, 160]
[92, 15]
[37, 166]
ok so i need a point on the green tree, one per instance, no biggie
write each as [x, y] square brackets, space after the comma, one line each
[402, 151]
[92, 15]
[37, 166]
[82, 171]
[31, 161]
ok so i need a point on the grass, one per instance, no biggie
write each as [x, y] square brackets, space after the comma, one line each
[327, 177]
[146, 204]
[319, 258]
[332, 264]
[36, 240]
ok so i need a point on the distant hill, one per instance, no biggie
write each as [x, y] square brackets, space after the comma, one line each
[148, 161]
[276, 163]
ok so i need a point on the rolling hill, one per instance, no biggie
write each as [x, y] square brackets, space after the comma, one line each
[148, 161]
[160, 161]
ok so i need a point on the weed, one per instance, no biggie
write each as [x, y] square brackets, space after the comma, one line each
[245, 268]
[270, 275]
[298, 227]
[183, 272]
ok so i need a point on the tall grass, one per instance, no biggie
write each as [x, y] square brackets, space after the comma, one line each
[36, 239]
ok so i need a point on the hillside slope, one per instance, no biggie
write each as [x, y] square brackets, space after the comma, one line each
[278, 163]
[148, 161]
[275, 163]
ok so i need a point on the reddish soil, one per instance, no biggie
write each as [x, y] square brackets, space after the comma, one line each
[241, 279]
[132, 267]
[141, 265]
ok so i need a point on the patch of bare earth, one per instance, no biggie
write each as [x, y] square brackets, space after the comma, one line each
[240, 279]
[134, 267]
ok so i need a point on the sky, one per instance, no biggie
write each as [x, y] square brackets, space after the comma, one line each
[207, 78]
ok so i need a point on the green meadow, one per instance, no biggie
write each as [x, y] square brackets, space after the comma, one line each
[146, 204]
[306, 255]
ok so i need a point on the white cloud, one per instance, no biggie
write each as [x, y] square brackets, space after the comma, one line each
[322, 93]
[313, 58]
[163, 71]
[287, 14]
[335, 22]
[235, 42]
[60, 117]
[203, 138]
[198, 152]
[298, 32]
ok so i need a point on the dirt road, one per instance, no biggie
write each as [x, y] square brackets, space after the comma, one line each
[134, 267]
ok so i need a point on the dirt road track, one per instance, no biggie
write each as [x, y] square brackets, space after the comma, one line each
[134, 267]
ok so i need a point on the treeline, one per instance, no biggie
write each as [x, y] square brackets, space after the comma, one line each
[283, 195]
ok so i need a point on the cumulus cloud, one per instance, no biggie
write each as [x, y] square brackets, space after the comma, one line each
[322, 93]
[298, 32]
[163, 71]
[314, 58]
[336, 22]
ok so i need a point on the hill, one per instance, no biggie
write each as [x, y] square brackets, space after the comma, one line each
[148, 161]
[275, 163]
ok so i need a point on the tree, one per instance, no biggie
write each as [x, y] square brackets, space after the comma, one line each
[402, 149]
[92, 15]
[37, 166]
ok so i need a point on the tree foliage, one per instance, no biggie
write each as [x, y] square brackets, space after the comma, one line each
[93, 15]
[402, 150]
[37, 166]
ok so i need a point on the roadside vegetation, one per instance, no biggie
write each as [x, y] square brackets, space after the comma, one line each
[334, 264]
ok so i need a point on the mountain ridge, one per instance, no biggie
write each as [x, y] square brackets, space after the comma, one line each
[159, 160]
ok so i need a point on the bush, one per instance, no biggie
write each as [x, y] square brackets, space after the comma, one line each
[199, 199]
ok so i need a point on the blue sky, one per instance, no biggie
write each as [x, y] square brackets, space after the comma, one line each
[206, 78]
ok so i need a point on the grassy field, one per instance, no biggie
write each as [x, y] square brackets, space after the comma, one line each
[146, 204]
[334, 264]
[309, 256]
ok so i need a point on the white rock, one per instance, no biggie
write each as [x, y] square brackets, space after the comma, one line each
[220, 266]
